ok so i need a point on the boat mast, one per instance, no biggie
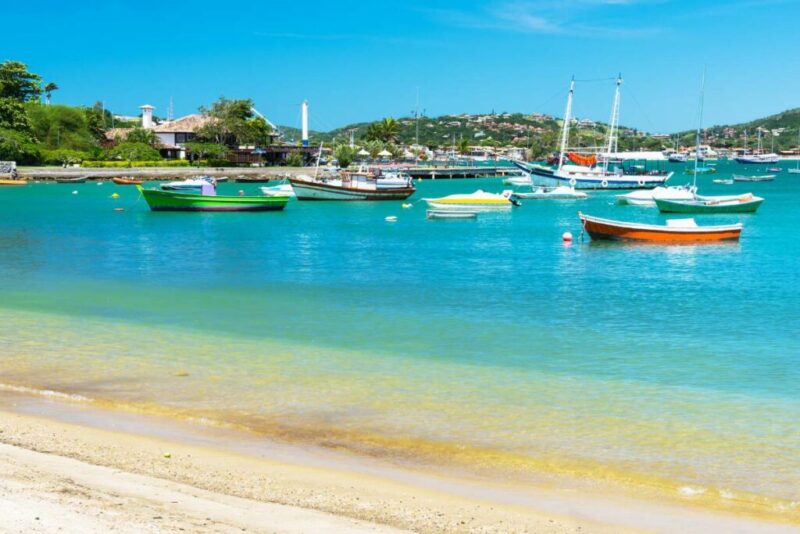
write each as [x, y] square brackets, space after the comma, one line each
[613, 138]
[319, 157]
[699, 126]
[565, 127]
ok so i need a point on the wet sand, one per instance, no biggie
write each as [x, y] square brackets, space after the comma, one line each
[141, 474]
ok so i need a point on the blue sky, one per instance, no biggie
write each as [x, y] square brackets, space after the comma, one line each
[357, 60]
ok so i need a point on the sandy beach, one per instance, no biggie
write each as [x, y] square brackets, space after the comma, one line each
[60, 476]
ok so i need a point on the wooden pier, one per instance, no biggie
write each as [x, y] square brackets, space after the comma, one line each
[455, 173]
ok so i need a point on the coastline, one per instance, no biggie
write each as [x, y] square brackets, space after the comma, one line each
[223, 471]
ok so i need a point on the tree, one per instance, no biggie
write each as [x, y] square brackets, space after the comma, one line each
[13, 116]
[143, 135]
[198, 151]
[15, 146]
[374, 148]
[98, 117]
[17, 83]
[48, 91]
[58, 126]
[386, 130]
[133, 152]
[345, 155]
[233, 123]
[464, 147]
[295, 159]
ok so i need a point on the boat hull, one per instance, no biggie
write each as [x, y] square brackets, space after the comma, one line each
[763, 178]
[171, 201]
[700, 206]
[604, 229]
[304, 190]
[125, 181]
[552, 178]
[13, 182]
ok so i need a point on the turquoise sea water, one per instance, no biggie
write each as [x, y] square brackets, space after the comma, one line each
[676, 362]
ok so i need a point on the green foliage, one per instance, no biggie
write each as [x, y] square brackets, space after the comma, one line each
[48, 90]
[13, 117]
[130, 152]
[122, 164]
[16, 146]
[60, 126]
[295, 159]
[98, 119]
[386, 130]
[16, 83]
[463, 146]
[63, 156]
[143, 135]
[345, 154]
[198, 150]
[233, 124]
[374, 148]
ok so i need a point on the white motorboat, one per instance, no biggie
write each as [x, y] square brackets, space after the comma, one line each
[520, 181]
[478, 201]
[648, 197]
[561, 192]
[280, 190]
[451, 214]
[190, 184]
[728, 181]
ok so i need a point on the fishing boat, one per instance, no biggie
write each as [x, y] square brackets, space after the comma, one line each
[747, 203]
[796, 169]
[592, 171]
[561, 192]
[675, 231]
[190, 184]
[759, 178]
[362, 184]
[451, 214]
[478, 201]
[120, 180]
[207, 200]
[648, 197]
[76, 180]
[281, 190]
[677, 157]
[22, 181]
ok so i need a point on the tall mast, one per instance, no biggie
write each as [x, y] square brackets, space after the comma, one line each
[565, 127]
[613, 138]
[699, 125]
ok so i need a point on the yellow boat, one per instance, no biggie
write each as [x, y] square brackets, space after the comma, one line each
[477, 201]
[13, 182]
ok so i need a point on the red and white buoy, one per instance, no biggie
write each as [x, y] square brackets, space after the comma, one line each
[566, 237]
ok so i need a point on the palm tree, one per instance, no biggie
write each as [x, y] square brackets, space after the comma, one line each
[48, 91]
[390, 130]
[463, 147]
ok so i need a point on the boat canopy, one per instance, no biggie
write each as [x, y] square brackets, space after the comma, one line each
[579, 159]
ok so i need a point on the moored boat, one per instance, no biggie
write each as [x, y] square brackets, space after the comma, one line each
[746, 203]
[189, 184]
[451, 214]
[724, 181]
[181, 201]
[75, 180]
[281, 190]
[675, 231]
[478, 201]
[120, 180]
[759, 178]
[21, 181]
[648, 197]
[253, 179]
[360, 185]
[554, 193]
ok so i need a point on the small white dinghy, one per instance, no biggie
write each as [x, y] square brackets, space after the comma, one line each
[648, 197]
[451, 214]
[281, 190]
[190, 184]
[561, 192]
[519, 180]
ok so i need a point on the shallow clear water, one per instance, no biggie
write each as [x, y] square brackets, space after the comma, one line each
[680, 362]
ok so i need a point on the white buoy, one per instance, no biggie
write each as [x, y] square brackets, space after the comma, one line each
[406, 206]
[567, 237]
[74, 192]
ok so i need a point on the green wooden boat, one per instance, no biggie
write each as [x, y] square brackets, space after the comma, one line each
[728, 204]
[178, 201]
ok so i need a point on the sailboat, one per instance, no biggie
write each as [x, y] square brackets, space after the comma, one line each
[759, 157]
[796, 170]
[747, 203]
[592, 172]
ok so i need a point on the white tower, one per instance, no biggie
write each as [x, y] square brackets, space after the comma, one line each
[147, 116]
[305, 122]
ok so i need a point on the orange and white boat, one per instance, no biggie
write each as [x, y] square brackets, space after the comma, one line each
[126, 181]
[675, 231]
